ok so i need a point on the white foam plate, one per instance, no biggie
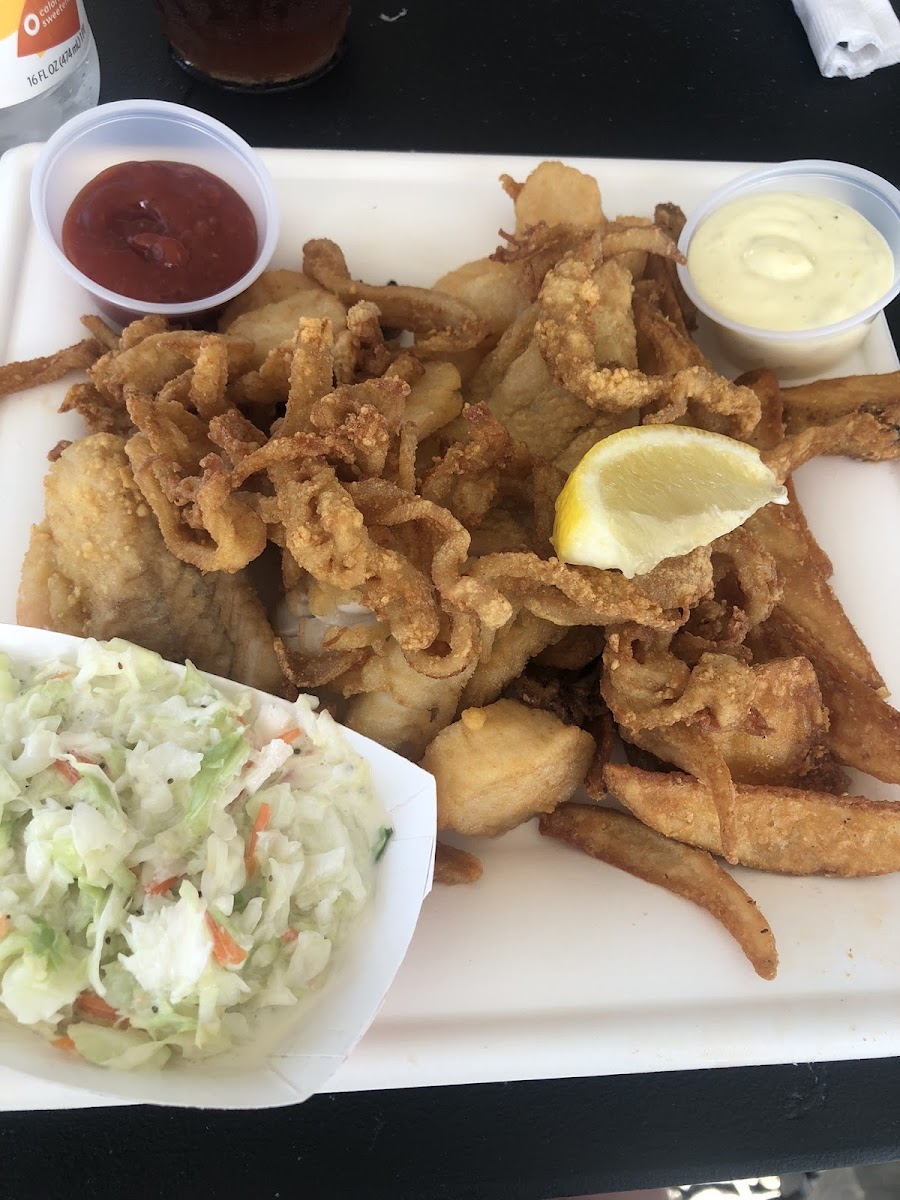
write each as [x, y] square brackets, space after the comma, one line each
[552, 965]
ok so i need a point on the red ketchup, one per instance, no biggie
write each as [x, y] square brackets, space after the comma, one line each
[165, 232]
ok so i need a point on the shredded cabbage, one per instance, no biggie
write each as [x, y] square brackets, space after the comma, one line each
[169, 864]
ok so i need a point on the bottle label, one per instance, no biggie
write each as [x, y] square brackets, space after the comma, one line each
[41, 42]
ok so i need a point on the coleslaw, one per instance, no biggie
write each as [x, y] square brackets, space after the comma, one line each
[172, 860]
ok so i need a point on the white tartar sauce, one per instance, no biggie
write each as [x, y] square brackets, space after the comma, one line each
[789, 261]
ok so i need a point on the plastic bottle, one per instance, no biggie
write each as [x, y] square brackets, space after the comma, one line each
[49, 70]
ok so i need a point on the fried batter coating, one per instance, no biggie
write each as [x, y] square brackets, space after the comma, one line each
[453, 866]
[806, 596]
[501, 765]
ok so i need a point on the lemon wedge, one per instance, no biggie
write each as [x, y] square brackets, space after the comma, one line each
[652, 492]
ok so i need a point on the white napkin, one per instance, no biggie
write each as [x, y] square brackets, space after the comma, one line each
[851, 37]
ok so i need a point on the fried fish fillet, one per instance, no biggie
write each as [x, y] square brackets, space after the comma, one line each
[98, 567]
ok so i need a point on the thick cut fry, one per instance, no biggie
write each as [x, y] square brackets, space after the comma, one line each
[780, 829]
[825, 400]
[770, 430]
[497, 767]
[864, 730]
[620, 840]
[807, 598]
[452, 865]
[869, 437]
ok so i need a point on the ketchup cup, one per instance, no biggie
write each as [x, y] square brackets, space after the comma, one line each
[148, 130]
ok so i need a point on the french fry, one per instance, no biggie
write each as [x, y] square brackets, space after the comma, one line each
[622, 841]
[779, 829]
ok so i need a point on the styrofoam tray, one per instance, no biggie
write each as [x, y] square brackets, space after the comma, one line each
[552, 965]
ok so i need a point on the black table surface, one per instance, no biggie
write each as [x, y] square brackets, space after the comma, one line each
[682, 79]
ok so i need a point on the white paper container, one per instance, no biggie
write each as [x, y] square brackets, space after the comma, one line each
[298, 1049]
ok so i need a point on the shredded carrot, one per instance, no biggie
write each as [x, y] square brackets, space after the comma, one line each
[4, 927]
[61, 675]
[164, 885]
[289, 935]
[290, 735]
[68, 772]
[225, 949]
[262, 820]
[95, 1008]
[63, 1043]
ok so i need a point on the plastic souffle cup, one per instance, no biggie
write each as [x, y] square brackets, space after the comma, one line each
[148, 129]
[800, 353]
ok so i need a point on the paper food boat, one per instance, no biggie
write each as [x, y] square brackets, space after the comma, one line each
[295, 1051]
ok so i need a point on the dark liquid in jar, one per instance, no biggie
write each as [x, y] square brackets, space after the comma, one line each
[255, 42]
[165, 232]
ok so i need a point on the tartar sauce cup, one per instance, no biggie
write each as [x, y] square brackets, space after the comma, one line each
[148, 129]
[800, 353]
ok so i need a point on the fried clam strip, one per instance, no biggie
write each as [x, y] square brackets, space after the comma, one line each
[355, 429]
[432, 611]
[541, 618]
[780, 829]
[534, 250]
[439, 544]
[806, 596]
[864, 730]
[18, 376]
[466, 480]
[673, 299]
[620, 840]
[441, 322]
[664, 706]
[826, 400]
[569, 595]
[869, 437]
[770, 430]
[228, 533]
[571, 316]
[663, 345]
[154, 361]
[298, 370]
[359, 350]
[316, 669]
